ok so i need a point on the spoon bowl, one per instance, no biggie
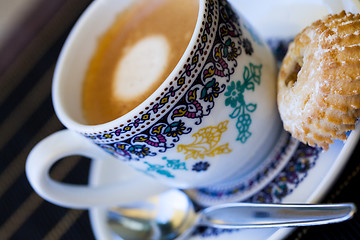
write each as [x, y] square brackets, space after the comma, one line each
[172, 215]
[160, 217]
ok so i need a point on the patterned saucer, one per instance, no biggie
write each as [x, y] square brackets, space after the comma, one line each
[299, 159]
[287, 150]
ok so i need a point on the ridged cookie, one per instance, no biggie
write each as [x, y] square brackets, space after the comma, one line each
[319, 81]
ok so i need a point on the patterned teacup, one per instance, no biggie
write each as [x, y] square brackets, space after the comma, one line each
[213, 120]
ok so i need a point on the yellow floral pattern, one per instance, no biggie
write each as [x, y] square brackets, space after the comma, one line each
[206, 143]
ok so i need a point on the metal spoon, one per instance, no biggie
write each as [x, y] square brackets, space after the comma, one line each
[171, 215]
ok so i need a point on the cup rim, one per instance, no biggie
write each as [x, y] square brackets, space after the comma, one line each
[82, 22]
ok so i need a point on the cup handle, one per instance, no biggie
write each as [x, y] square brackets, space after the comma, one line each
[66, 143]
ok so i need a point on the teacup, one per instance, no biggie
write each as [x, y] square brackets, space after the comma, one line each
[212, 120]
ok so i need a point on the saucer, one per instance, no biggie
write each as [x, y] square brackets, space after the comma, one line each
[304, 179]
[307, 173]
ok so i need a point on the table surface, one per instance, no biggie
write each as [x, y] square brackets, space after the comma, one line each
[27, 62]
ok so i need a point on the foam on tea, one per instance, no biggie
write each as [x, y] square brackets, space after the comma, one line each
[157, 50]
[135, 55]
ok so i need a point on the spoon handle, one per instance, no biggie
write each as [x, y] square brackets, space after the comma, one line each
[252, 215]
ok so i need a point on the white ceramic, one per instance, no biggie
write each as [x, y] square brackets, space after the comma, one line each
[278, 19]
[306, 185]
[214, 119]
[241, 189]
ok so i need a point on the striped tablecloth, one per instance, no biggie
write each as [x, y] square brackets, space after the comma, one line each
[26, 116]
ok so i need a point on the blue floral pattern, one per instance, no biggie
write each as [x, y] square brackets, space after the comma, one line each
[200, 166]
[165, 168]
[236, 100]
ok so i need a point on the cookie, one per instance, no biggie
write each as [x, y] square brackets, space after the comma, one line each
[319, 81]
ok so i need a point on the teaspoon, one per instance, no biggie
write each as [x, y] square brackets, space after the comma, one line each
[171, 215]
